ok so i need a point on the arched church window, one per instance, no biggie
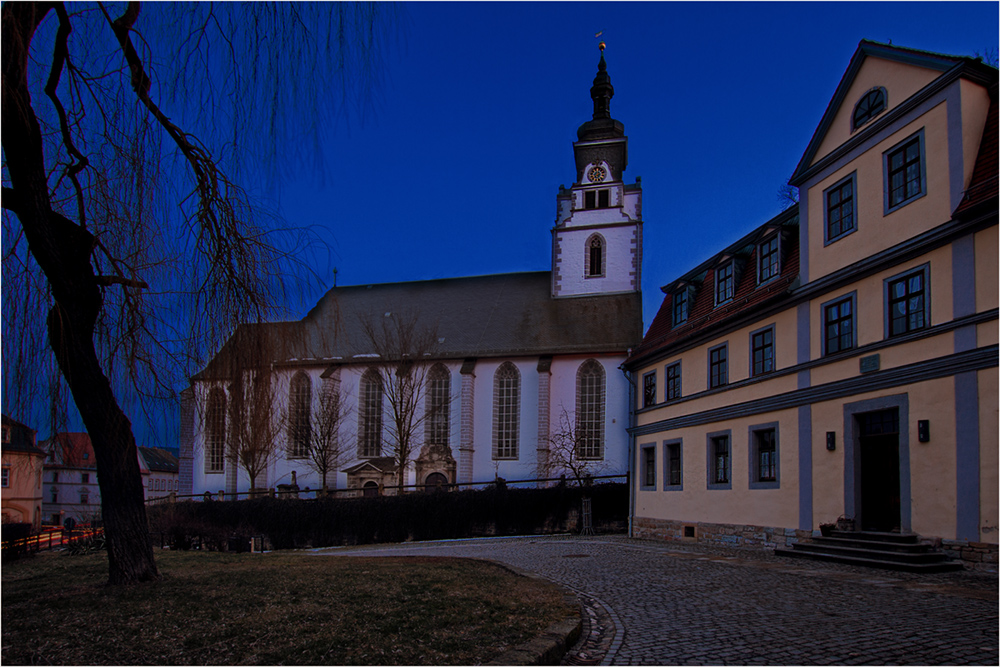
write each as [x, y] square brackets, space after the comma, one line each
[506, 411]
[299, 415]
[594, 258]
[590, 394]
[215, 430]
[370, 416]
[870, 105]
[437, 406]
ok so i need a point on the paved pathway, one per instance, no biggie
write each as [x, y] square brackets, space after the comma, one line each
[653, 603]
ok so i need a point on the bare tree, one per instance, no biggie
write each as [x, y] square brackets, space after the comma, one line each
[401, 345]
[788, 196]
[988, 56]
[127, 240]
[255, 425]
[326, 453]
[572, 451]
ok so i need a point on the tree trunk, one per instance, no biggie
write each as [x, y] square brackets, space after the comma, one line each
[63, 251]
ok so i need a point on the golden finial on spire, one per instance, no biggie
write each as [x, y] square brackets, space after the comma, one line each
[601, 45]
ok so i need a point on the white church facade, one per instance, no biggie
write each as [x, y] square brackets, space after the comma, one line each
[518, 361]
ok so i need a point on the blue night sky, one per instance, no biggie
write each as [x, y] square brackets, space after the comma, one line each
[455, 170]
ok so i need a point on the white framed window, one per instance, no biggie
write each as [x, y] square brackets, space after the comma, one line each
[215, 431]
[506, 412]
[590, 395]
[299, 416]
[594, 258]
[438, 406]
[370, 416]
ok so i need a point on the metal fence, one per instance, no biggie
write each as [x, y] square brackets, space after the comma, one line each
[382, 490]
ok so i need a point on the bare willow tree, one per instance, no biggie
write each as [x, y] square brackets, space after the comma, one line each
[402, 346]
[127, 240]
[573, 451]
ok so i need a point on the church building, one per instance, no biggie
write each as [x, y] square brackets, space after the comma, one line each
[520, 364]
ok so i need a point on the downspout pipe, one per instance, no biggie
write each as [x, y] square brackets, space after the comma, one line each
[629, 377]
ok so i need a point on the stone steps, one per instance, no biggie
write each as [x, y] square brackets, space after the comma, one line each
[904, 552]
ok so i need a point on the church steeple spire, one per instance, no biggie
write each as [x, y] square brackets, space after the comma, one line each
[603, 126]
[602, 91]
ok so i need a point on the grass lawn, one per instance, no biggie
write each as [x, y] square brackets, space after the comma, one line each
[244, 609]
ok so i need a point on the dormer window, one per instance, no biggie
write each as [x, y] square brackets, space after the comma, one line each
[724, 283]
[597, 199]
[768, 265]
[869, 106]
[680, 307]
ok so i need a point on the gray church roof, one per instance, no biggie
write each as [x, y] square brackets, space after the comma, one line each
[498, 315]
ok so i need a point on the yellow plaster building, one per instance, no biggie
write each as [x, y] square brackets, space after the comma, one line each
[840, 361]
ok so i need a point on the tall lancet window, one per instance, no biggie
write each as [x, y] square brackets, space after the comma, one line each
[299, 416]
[370, 416]
[590, 395]
[437, 406]
[506, 411]
[594, 257]
[215, 430]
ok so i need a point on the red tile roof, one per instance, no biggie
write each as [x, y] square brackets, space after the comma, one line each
[73, 450]
[983, 185]
[748, 296]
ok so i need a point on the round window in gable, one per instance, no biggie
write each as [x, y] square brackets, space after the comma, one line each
[869, 106]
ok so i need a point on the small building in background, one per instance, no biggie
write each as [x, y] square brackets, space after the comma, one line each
[22, 474]
[160, 468]
[70, 488]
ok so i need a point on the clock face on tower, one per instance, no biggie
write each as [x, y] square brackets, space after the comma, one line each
[596, 174]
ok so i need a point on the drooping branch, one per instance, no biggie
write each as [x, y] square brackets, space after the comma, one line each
[60, 56]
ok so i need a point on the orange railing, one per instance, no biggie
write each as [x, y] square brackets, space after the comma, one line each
[51, 537]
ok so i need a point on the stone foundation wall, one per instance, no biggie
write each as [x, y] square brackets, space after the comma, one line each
[731, 535]
[974, 555]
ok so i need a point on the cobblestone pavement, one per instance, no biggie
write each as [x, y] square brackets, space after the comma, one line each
[648, 602]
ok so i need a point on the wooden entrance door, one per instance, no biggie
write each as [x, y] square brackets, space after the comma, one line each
[878, 447]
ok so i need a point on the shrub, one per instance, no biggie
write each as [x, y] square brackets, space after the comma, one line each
[286, 524]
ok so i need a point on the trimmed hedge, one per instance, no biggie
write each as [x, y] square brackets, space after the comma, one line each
[493, 511]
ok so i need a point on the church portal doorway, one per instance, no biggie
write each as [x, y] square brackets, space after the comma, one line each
[435, 482]
[878, 449]
[370, 489]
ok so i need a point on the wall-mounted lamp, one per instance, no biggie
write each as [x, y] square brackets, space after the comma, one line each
[831, 440]
[924, 430]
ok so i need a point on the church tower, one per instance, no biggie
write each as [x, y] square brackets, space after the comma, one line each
[597, 238]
